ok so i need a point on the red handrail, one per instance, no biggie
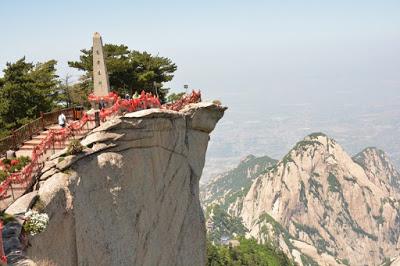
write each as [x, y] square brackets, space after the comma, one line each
[25, 132]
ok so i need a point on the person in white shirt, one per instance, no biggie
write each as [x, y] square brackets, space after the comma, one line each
[62, 120]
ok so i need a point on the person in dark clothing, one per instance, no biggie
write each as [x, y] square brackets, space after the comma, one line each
[102, 104]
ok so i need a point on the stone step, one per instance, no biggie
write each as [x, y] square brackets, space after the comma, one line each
[33, 142]
[40, 136]
[30, 148]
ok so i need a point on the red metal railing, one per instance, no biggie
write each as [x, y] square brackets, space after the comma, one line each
[24, 133]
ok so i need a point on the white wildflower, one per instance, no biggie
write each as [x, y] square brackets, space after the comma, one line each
[35, 222]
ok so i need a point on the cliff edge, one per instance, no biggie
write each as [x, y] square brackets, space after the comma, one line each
[132, 196]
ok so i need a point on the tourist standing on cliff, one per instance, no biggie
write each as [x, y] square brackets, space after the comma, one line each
[62, 120]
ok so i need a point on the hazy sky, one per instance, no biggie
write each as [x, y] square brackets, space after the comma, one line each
[260, 52]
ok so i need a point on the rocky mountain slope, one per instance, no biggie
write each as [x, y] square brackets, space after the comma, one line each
[323, 207]
[228, 188]
[379, 168]
[132, 196]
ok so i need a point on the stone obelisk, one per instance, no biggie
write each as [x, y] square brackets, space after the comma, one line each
[101, 85]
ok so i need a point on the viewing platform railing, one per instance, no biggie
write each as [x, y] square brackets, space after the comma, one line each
[26, 132]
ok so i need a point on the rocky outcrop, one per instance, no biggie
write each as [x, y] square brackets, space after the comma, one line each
[317, 204]
[132, 196]
[228, 189]
[379, 168]
[13, 239]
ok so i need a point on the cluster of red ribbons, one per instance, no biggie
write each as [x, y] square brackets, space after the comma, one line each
[144, 101]
[111, 97]
[186, 99]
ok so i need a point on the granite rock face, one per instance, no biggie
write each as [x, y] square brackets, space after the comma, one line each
[320, 202]
[132, 197]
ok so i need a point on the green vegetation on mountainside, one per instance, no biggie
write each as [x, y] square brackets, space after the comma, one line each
[224, 225]
[238, 180]
[272, 230]
[249, 253]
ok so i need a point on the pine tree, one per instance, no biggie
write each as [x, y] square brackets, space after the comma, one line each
[25, 91]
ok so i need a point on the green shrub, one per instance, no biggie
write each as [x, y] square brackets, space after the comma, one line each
[346, 262]
[39, 205]
[173, 97]
[334, 184]
[6, 161]
[6, 218]
[74, 147]
[3, 175]
[22, 162]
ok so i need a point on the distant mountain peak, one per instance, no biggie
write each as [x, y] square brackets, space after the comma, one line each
[368, 152]
[378, 166]
[247, 158]
[315, 140]
[315, 145]
[317, 135]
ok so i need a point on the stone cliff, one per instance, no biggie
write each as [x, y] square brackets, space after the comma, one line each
[132, 196]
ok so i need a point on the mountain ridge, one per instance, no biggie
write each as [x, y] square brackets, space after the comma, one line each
[225, 188]
[334, 210]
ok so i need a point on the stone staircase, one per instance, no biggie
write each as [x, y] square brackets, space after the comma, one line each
[28, 146]
[17, 190]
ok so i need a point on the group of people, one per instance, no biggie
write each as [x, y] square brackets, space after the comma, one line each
[102, 102]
